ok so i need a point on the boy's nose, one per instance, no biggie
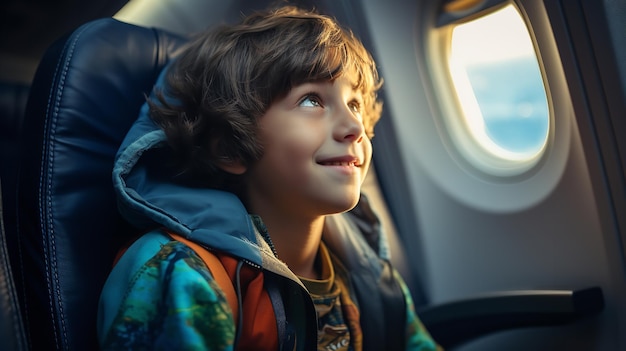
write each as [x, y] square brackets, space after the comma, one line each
[348, 127]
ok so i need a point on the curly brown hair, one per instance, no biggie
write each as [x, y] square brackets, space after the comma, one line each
[227, 78]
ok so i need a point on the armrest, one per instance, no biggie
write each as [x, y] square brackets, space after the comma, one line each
[457, 322]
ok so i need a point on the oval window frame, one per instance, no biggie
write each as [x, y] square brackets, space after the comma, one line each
[487, 159]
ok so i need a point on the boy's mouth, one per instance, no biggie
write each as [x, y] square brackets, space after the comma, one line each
[353, 164]
[347, 161]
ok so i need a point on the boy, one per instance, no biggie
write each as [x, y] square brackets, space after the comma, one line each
[254, 145]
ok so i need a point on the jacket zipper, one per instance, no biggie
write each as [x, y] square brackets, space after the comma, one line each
[258, 223]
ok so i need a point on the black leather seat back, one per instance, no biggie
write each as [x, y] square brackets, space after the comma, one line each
[85, 95]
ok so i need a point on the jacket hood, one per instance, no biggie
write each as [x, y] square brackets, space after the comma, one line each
[149, 198]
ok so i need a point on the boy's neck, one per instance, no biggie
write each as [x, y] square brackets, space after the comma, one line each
[296, 241]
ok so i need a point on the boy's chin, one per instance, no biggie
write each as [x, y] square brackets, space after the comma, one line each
[344, 205]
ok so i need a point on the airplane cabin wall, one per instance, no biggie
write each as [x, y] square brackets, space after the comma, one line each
[547, 229]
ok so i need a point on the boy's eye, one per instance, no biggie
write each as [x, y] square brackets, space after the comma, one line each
[310, 101]
[355, 106]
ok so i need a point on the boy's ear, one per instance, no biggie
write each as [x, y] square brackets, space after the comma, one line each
[225, 163]
[231, 166]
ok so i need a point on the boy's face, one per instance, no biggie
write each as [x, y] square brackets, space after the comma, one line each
[316, 153]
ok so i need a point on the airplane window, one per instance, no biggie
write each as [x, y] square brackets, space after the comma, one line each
[499, 87]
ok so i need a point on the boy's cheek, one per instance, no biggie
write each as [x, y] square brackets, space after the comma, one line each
[367, 160]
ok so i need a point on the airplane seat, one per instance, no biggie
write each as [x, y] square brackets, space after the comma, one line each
[85, 95]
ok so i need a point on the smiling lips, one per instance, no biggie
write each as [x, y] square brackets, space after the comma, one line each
[340, 164]
[346, 161]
